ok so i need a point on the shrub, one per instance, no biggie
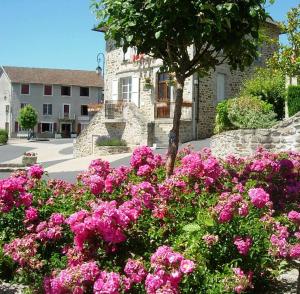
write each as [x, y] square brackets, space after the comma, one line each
[3, 136]
[222, 122]
[248, 112]
[28, 117]
[106, 141]
[269, 86]
[293, 98]
[213, 227]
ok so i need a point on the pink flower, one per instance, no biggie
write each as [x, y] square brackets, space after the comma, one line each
[295, 251]
[294, 216]
[35, 171]
[135, 270]
[187, 266]
[107, 283]
[259, 197]
[31, 214]
[210, 240]
[226, 214]
[243, 245]
[57, 218]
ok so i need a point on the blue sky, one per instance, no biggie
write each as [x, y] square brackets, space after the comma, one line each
[57, 33]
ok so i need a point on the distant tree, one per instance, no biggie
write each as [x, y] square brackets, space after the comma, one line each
[28, 118]
[219, 31]
[287, 58]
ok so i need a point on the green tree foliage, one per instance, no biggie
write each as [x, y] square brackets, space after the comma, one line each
[293, 98]
[222, 122]
[244, 112]
[3, 136]
[269, 86]
[226, 31]
[250, 112]
[287, 58]
[28, 117]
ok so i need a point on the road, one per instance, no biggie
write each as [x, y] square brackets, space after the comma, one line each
[56, 156]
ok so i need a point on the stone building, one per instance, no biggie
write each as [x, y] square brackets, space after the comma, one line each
[140, 100]
[61, 97]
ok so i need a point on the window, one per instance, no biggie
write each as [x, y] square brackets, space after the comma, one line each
[47, 127]
[47, 109]
[25, 89]
[125, 89]
[23, 105]
[84, 91]
[220, 87]
[66, 110]
[65, 91]
[164, 89]
[7, 108]
[84, 110]
[47, 90]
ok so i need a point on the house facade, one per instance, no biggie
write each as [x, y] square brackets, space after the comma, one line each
[60, 97]
[140, 100]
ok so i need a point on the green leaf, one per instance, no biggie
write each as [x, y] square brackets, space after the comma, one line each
[191, 228]
[157, 34]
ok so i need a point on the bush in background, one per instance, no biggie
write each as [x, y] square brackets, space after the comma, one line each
[106, 141]
[248, 112]
[222, 122]
[3, 136]
[269, 86]
[293, 98]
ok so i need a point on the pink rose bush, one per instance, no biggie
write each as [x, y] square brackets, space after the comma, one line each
[215, 226]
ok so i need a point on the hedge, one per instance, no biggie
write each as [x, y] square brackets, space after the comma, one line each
[3, 136]
[293, 98]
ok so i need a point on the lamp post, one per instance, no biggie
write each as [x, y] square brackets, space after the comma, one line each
[99, 69]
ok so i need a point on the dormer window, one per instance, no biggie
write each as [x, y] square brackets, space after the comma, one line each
[25, 89]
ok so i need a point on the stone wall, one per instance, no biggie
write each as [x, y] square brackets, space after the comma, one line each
[133, 129]
[282, 137]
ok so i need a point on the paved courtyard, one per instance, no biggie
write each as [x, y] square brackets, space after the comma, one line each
[56, 156]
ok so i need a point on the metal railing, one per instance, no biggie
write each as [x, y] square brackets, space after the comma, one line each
[165, 109]
[114, 109]
[66, 116]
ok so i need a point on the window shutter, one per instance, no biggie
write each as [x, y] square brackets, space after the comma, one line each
[16, 127]
[115, 90]
[220, 87]
[79, 128]
[135, 94]
[127, 54]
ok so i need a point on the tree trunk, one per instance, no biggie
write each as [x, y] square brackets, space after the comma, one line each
[174, 133]
[298, 282]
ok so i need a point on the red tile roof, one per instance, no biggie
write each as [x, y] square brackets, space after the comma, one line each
[67, 77]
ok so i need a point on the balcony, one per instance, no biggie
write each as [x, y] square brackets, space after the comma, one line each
[66, 116]
[165, 109]
[83, 118]
[114, 111]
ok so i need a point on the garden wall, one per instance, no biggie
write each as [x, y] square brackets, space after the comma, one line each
[133, 129]
[282, 137]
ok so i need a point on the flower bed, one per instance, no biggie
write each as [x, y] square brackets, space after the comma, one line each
[213, 227]
[29, 158]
